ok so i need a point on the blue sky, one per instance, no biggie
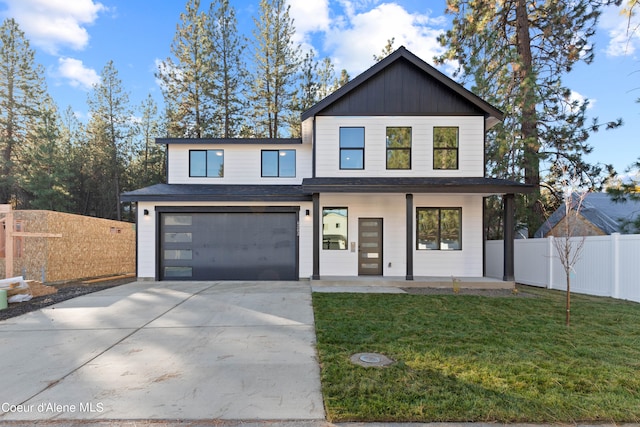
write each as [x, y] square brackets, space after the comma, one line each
[74, 39]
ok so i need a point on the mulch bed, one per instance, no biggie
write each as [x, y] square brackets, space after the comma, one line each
[64, 292]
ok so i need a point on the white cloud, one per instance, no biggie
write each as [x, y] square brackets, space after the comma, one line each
[356, 37]
[624, 35]
[576, 96]
[76, 73]
[52, 24]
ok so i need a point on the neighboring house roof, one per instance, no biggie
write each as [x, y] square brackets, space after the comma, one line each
[600, 210]
[415, 185]
[403, 84]
[216, 192]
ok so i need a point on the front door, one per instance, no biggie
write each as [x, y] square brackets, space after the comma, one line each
[370, 246]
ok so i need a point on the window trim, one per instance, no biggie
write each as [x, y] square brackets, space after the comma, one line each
[206, 166]
[279, 175]
[341, 148]
[333, 208]
[446, 149]
[409, 148]
[439, 230]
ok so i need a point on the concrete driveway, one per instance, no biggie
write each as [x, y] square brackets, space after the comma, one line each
[165, 350]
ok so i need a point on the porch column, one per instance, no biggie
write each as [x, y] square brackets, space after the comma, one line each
[509, 234]
[316, 236]
[409, 237]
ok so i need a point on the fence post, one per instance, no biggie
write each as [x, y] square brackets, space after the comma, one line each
[550, 262]
[615, 264]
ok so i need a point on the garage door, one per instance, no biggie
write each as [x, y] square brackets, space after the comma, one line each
[229, 246]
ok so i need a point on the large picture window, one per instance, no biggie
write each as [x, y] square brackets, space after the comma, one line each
[439, 229]
[206, 163]
[334, 228]
[398, 148]
[279, 163]
[445, 148]
[351, 148]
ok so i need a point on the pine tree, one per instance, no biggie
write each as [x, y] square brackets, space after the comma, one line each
[230, 75]
[187, 81]
[148, 166]
[110, 133]
[21, 92]
[46, 172]
[276, 61]
[515, 54]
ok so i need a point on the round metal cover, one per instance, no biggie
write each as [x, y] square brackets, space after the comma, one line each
[371, 359]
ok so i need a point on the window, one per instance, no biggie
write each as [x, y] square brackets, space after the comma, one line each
[334, 228]
[439, 228]
[206, 163]
[445, 148]
[351, 148]
[398, 148]
[279, 163]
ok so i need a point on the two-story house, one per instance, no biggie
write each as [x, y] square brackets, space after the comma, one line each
[388, 179]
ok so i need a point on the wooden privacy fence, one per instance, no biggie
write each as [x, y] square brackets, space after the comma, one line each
[609, 265]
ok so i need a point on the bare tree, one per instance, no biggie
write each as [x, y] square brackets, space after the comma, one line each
[569, 242]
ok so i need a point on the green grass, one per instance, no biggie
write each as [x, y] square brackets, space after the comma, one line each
[474, 358]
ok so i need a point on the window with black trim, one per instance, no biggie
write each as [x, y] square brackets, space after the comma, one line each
[279, 163]
[206, 163]
[351, 148]
[439, 229]
[445, 147]
[334, 228]
[398, 148]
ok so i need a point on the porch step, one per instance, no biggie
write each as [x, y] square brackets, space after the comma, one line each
[418, 282]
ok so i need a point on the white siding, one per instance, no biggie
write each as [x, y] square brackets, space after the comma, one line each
[391, 207]
[242, 164]
[147, 234]
[463, 263]
[471, 146]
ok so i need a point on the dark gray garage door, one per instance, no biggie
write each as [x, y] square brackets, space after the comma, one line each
[229, 246]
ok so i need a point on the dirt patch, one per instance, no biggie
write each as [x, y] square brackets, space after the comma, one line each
[64, 292]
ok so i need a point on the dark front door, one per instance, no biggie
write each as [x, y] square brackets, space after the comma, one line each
[370, 246]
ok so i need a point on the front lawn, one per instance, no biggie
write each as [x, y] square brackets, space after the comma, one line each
[476, 358]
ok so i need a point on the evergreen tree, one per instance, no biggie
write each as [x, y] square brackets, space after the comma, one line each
[230, 74]
[276, 61]
[386, 51]
[21, 92]
[110, 133]
[515, 54]
[79, 158]
[148, 165]
[46, 169]
[187, 82]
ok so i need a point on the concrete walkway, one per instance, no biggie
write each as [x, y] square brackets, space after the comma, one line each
[166, 351]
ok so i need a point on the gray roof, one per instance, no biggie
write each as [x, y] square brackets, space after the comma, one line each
[216, 192]
[476, 185]
[601, 211]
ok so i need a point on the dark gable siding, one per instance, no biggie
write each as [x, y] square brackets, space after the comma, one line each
[401, 89]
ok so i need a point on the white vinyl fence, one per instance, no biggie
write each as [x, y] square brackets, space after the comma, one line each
[609, 265]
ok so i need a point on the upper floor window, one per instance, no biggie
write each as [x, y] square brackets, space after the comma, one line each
[445, 148]
[439, 228]
[351, 148]
[206, 163]
[278, 163]
[398, 148]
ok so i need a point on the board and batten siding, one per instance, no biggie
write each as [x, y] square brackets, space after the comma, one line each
[147, 232]
[470, 150]
[242, 164]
